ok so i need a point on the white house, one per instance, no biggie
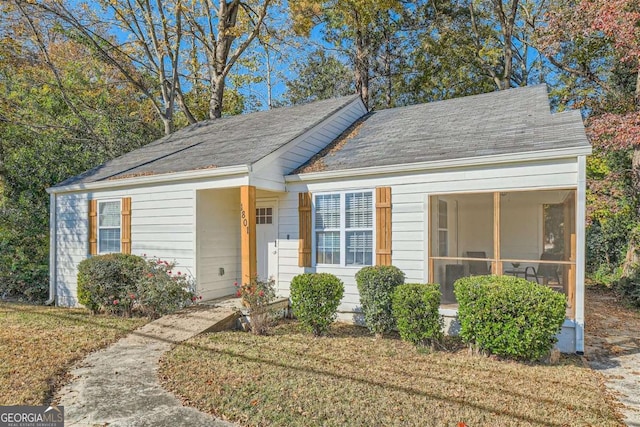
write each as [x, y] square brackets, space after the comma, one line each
[486, 183]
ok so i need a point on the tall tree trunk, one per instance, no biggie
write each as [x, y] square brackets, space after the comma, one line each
[507, 25]
[269, 83]
[227, 18]
[362, 66]
[361, 62]
[217, 94]
[387, 69]
[633, 257]
[168, 125]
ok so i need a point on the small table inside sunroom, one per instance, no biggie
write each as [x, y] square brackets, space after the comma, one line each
[517, 272]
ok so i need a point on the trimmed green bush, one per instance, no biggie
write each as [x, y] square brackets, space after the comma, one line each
[121, 283]
[314, 300]
[415, 308]
[105, 282]
[508, 316]
[376, 285]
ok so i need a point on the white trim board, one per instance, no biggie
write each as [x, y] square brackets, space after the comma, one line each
[153, 179]
[561, 153]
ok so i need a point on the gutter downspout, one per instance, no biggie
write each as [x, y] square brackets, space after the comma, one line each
[52, 249]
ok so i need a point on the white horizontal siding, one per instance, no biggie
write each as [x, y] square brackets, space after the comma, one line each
[288, 265]
[72, 244]
[287, 242]
[162, 224]
[288, 216]
[409, 195]
[218, 242]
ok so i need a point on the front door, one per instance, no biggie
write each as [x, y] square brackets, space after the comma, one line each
[266, 235]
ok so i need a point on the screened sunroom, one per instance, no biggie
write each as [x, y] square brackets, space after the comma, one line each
[527, 234]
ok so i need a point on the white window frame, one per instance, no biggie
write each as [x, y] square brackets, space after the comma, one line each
[99, 228]
[343, 229]
[442, 229]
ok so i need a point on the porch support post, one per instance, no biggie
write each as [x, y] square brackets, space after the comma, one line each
[430, 237]
[248, 232]
[497, 264]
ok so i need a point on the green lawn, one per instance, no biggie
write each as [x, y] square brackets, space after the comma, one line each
[293, 379]
[39, 344]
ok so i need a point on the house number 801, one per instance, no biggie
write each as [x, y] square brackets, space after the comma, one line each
[245, 221]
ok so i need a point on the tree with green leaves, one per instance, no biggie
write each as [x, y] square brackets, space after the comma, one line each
[62, 111]
[443, 63]
[355, 26]
[318, 76]
[502, 39]
[596, 44]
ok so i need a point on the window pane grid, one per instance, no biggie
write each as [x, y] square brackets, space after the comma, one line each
[442, 214]
[109, 217]
[328, 247]
[328, 211]
[109, 240]
[264, 216]
[344, 228]
[359, 248]
[109, 214]
[358, 210]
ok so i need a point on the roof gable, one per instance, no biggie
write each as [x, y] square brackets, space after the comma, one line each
[230, 141]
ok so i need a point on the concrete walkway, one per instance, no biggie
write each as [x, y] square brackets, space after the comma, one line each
[613, 349]
[119, 386]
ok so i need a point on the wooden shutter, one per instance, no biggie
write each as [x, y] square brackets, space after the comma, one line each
[125, 226]
[383, 226]
[304, 245]
[93, 227]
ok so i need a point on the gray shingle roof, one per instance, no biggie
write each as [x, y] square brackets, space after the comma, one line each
[504, 122]
[237, 140]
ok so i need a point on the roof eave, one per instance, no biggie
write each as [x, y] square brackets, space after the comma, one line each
[558, 153]
[153, 179]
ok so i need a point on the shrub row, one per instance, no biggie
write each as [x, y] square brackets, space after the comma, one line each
[385, 300]
[121, 284]
[501, 315]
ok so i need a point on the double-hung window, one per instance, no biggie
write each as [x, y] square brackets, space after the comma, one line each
[344, 228]
[109, 226]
